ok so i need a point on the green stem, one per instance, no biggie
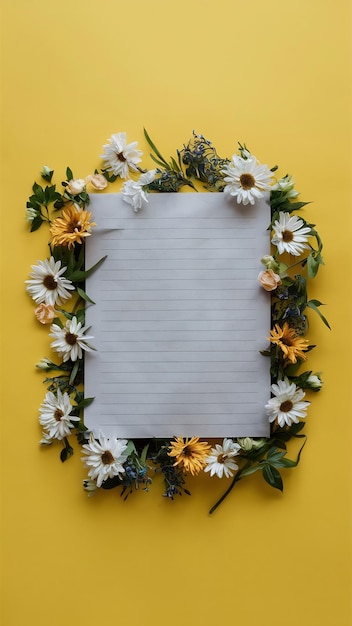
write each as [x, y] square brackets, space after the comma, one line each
[235, 479]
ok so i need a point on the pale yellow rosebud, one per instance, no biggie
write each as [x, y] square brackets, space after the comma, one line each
[247, 443]
[269, 280]
[98, 181]
[45, 313]
[76, 186]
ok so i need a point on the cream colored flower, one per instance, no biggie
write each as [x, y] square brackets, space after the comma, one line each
[269, 280]
[98, 181]
[76, 186]
[45, 313]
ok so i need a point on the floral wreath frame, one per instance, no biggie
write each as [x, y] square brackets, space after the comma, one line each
[60, 280]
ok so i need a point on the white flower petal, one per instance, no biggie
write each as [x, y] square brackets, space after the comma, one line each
[238, 184]
[119, 156]
[47, 285]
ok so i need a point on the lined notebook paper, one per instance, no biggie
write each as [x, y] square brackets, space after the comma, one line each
[179, 317]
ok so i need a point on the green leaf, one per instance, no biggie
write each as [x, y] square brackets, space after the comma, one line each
[73, 373]
[58, 322]
[250, 470]
[155, 149]
[38, 192]
[296, 206]
[175, 165]
[272, 477]
[36, 223]
[80, 316]
[84, 403]
[144, 454]
[79, 276]
[312, 266]
[130, 447]
[84, 296]
[312, 304]
[63, 455]
[162, 165]
[69, 174]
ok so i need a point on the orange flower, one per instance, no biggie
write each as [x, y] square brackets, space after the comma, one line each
[291, 345]
[190, 454]
[72, 227]
[269, 280]
[45, 313]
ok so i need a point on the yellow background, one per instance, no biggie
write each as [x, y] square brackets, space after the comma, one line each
[275, 75]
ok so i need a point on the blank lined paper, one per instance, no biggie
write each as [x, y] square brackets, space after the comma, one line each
[179, 318]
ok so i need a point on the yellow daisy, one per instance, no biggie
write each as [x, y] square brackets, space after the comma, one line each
[71, 227]
[291, 345]
[190, 454]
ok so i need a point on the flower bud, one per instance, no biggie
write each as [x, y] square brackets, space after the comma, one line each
[286, 185]
[47, 173]
[90, 486]
[31, 214]
[314, 382]
[247, 443]
[46, 440]
[270, 263]
[44, 364]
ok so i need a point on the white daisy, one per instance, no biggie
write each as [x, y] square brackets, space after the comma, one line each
[247, 179]
[119, 156]
[287, 405]
[220, 461]
[290, 234]
[55, 416]
[105, 457]
[134, 193]
[47, 284]
[70, 340]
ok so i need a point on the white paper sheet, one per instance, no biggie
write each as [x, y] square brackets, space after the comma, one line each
[179, 317]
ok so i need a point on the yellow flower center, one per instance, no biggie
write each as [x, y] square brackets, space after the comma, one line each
[247, 181]
[121, 157]
[49, 282]
[107, 458]
[287, 236]
[71, 339]
[58, 415]
[286, 406]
